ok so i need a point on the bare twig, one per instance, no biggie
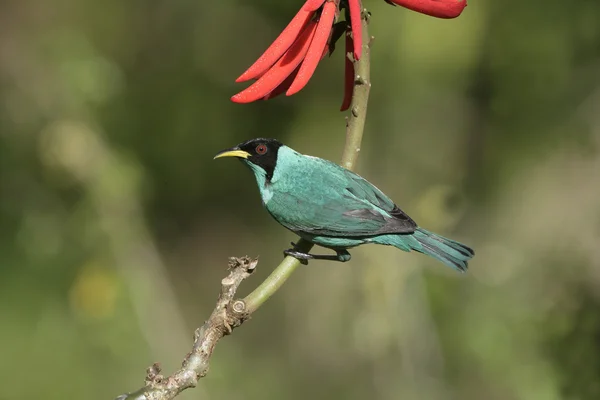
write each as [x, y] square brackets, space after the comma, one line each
[230, 313]
[227, 315]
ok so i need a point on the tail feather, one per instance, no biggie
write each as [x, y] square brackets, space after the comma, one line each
[448, 251]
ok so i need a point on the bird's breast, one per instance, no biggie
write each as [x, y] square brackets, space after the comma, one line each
[266, 193]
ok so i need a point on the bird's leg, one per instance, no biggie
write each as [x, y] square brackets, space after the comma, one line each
[341, 255]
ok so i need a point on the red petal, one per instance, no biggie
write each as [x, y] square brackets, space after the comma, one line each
[281, 70]
[356, 23]
[348, 75]
[315, 52]
[278, 47]
[283, 86]
[325, 52]
[312, 5]
[435, 8]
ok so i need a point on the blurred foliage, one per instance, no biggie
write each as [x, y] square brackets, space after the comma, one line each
[116, 225]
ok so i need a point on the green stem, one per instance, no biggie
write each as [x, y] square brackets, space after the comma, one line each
[277, 278]
[355, 125]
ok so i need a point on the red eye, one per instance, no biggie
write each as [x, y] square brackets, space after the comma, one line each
[261, 149]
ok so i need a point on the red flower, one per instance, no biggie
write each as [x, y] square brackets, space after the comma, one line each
[289, 63]
[434, 8]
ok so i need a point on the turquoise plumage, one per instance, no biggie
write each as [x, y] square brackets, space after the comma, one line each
[335, 208]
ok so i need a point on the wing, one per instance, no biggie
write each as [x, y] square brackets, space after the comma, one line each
[327, 200]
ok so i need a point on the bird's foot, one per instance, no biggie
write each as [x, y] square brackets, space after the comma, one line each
[341, 256]
[302, 257]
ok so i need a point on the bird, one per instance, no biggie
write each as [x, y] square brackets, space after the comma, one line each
[335, 208]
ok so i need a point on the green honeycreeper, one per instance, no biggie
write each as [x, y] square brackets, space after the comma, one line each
[333, 207]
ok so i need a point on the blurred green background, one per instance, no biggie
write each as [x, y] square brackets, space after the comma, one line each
[116, 224]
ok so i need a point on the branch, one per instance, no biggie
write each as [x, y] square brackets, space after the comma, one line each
[229, 313]
[355, 123]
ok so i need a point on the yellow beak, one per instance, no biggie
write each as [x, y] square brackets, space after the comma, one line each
[233, 153]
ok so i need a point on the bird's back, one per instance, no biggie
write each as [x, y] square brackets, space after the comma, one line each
[313, 195]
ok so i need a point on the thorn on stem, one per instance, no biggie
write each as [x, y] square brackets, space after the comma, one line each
[359, 80]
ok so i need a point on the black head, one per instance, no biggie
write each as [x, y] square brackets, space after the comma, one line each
[260, 152]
